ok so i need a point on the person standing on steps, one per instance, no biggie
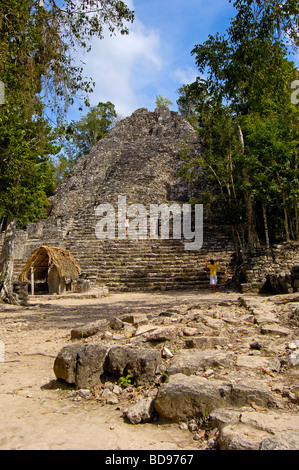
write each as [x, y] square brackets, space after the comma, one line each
[127, 224]
[212, 266]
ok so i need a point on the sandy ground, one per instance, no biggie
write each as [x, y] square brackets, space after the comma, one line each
[33, 412]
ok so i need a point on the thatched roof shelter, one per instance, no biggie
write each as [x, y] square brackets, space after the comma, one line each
[45, 257]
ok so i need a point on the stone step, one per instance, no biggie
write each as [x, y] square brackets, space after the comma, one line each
[137, 264]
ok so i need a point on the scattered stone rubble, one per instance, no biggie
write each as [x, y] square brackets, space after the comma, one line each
[225, 371]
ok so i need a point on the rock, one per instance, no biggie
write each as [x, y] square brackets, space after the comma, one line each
[141, 364]
[189, 331]
[166, 353]
[107, 393]
[208, 373]
[136, 320]
[107, 335]
[240, 437]
[90, 365]
[245, 429]
[183, 426]
[190, 362]
[287, 441]
[141, 330]
[116, 389]
[162, 334]
[65, 365]
[81, 364]
[258, 344]
[224, 416]
[206, 342]
[88, 330]
[250, 391]
[169, 313]
[192, 426]
[141, 412]
[294, 344]
[116, 324]
[273, 329]
[112, 400]
[183, 398]
[257, 362]
[293, 360]
[117, 337]
[84, 393]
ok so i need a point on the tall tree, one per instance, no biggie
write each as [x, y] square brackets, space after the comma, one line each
[38, 39]
[78, 137]
[248, 73]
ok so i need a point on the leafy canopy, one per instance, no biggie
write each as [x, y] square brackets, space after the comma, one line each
[243, 111]
[79, 137]
[38, 42]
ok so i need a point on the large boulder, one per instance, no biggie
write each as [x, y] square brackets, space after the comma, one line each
[142, 364]
[247, 429]
[184, 397]
[84, 364]
[81, 364]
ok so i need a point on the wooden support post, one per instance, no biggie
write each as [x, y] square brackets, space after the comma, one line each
[32, 280]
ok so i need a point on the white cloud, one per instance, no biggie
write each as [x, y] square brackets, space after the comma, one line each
[121, 64]
[186, 75]
[155, 57]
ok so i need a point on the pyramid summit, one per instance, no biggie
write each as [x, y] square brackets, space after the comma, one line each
[139, 158]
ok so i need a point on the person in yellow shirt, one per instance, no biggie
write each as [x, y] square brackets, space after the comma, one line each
[212, 266]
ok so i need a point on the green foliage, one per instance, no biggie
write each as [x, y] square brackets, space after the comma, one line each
[161, 101]
[125, 382]
[26, 172]
[242, 110]
[37, 45]
[78, 137]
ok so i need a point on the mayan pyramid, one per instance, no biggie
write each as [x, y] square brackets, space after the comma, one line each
[140, 160]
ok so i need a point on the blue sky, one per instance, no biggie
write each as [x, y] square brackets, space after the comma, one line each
[155, 59]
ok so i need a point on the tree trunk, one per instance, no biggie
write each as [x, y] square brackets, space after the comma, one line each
[286, 222]
[252, 241]
[251, 225]
[266, 226]
[297, 219]
[6, 264]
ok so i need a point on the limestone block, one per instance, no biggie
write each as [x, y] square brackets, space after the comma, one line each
[90, 329]
[206, 342]
[142, 411]
[142, 364]
[81, 364]
[191, 361]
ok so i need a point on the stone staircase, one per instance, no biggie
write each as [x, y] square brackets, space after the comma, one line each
[138, 265]
[146, 264]
[128, 265]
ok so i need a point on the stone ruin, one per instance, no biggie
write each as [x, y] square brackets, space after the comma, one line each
[140, 160]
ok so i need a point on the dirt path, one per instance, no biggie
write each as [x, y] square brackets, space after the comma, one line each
[34, 415]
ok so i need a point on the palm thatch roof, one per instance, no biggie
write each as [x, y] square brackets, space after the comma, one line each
[46, 256]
